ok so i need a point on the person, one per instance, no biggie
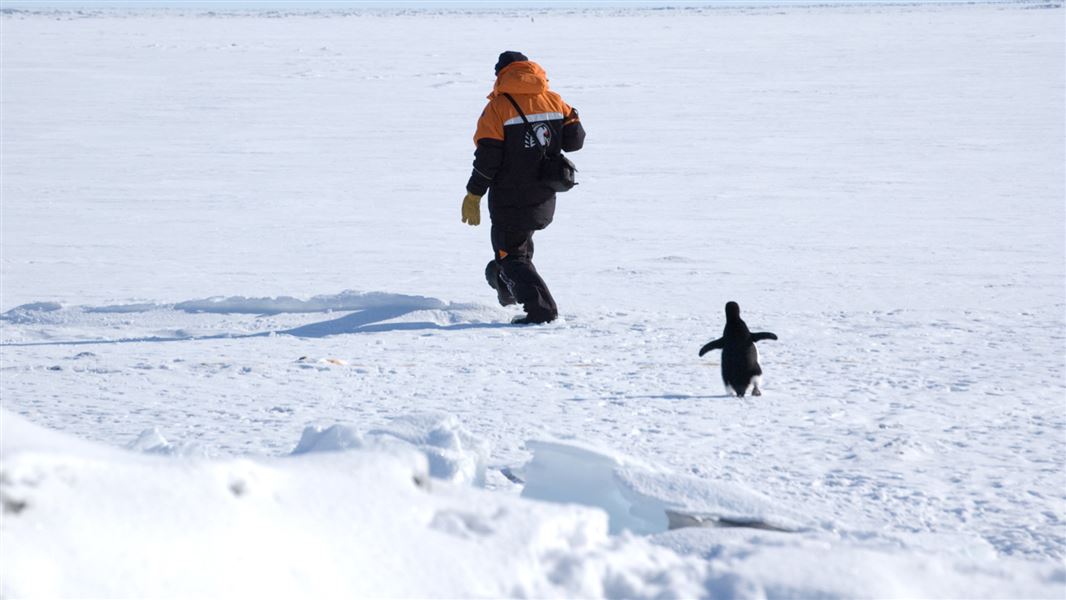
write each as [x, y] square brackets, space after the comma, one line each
[506, 164]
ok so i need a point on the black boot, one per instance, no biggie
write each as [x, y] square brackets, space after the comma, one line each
[529, 290]
[492, 276]
[530, 320]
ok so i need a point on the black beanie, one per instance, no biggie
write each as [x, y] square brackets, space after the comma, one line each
[507, 58]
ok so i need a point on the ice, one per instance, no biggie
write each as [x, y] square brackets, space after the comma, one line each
[643, 498]
[566, 473]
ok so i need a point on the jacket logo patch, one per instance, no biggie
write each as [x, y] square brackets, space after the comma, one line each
[544, 136]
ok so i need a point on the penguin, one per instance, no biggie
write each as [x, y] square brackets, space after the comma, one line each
[740, 358]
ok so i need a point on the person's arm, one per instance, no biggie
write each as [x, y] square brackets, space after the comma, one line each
[489, 154]
[573, 132]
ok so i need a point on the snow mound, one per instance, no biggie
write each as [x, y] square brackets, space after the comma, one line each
[355, 524]
[348, 300]
[641, 498]
[458, 314]
[453, 454]
[239, 317]
[756, 548]
[693, 502]
[151, 441]
[108, 523]
[32, 313]
[328, 439]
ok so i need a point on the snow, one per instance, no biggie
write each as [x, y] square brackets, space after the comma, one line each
[643, 498]
[453, 454]
[371, 522]
[248, 351]
[152, 441]
[357, 523]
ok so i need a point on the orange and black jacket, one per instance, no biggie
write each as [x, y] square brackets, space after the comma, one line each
[507, 160]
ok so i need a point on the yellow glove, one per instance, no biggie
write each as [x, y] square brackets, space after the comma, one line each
[472, 209]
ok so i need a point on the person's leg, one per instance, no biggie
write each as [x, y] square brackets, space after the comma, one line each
[492, 276]
[514, 255]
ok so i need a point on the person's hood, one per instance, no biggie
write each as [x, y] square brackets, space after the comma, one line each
[522, 77]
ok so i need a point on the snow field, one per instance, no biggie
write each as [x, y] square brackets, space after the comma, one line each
[881, 186]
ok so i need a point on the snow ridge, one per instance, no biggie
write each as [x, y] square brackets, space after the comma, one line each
[238, 316]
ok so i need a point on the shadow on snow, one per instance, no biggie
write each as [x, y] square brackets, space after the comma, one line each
[370, 313]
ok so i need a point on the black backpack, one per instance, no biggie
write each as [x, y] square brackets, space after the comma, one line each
[556, 171]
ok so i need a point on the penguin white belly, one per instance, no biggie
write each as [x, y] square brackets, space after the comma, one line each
[756, 381]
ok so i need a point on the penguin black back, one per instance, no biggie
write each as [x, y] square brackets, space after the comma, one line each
[740, 357]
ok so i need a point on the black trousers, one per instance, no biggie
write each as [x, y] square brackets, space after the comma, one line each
[514, 255]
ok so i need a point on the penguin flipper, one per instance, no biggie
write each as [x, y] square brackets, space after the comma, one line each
[763, 335]
[715, 345]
